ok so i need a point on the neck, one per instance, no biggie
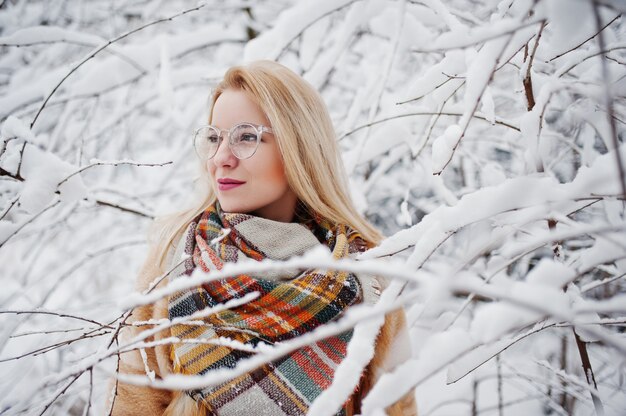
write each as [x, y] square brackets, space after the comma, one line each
[282, 210]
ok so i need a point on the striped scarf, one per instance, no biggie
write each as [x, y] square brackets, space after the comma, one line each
[290, 303]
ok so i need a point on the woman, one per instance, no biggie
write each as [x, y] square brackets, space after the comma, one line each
[273, 178]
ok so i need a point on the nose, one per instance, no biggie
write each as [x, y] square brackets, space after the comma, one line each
[224, 157]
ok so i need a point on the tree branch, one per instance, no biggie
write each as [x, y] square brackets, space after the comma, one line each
[101, 48]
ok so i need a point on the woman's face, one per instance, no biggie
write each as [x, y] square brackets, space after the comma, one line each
[264, 191]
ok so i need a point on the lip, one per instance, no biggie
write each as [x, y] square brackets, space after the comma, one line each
[225, 184]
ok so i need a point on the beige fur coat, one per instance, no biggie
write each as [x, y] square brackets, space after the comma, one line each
[134, 400]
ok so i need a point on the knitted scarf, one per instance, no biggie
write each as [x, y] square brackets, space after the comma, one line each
[291, 303]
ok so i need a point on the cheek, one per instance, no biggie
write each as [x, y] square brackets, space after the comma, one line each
[275, 172]
[210, 167]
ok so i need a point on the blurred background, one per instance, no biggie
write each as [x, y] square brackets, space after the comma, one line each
[483, 137]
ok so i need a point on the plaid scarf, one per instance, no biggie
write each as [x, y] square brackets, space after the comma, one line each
[291, 303]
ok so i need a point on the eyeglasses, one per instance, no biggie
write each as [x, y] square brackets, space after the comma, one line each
[243, 140]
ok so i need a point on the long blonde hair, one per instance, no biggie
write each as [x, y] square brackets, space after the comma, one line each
[308, 145]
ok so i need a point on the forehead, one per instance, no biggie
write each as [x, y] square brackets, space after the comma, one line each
[236, 106]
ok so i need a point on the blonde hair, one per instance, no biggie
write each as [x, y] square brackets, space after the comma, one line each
[308, 145]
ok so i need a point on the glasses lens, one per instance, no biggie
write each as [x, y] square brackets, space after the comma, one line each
[244, 141]
[206, 142]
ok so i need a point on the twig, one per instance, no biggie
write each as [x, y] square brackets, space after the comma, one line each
[97, 201]
[112, 163]
[591, 380]
[114, 339]
[423, 113]
[123, 57]
[31, 219]
[472, 112]
[596, 284]
[610, 58]
[608, 96]
[102, 47]
[528, 84]
[450, 78]
[549, 400]
[474, 411]
[16, 176]
[124, 209]
[52, 331]
[19, 165]
[586, 40]
[510, 342]
[619, 47]
[489, 409]
[67, 99]
[9, 206]
[297, 35]
[50, 347]
[387, 66]
[89, 256]
[62, 391]
[500, 395]
[86, 412]
[60, 315]
[434, 121]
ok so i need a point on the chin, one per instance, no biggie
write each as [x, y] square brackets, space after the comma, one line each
[226, 207]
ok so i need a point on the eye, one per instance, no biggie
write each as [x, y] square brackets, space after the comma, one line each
[247, 138]
[212, 138]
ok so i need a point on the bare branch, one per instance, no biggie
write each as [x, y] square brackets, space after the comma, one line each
[608, 97]
[104, 46]
[586, 40]
[528, 84]
[53, 313]
[584, 356]
[112, 163]
[425, 113]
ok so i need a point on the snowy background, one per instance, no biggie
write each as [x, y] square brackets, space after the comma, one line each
[485, 138]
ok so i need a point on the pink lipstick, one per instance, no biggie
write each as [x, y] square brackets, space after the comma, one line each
[225, 184]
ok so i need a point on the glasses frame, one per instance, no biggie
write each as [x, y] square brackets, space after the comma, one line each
[259, 129]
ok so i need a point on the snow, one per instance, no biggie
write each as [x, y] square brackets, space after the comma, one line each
[290, 23]
[570, 21]
[438, 351]
[443, 147]
[30, 91]
[583, 319]
[13, 127]
[46, 34]
[488, 107]
[516, 242]
[530, 126]
[448, 18]
[319, 256]
[550, 273]
[460, 39]
[319, 70]
[483, 352]
[452, 64]
[479, 70]
[112, 70]
[360, 351]
[311, 43]
[7, 229]
[42, 173]
[512, 194]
